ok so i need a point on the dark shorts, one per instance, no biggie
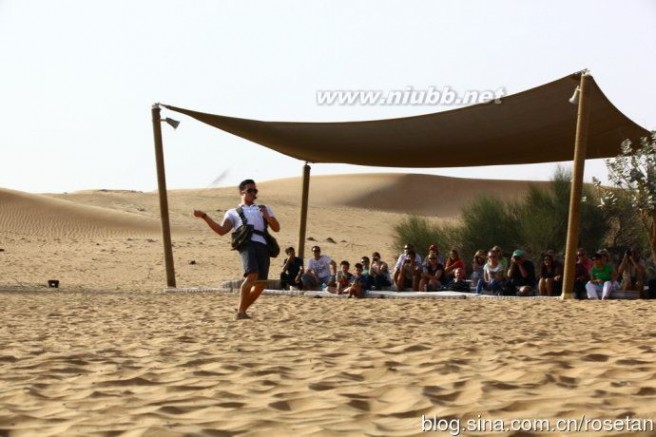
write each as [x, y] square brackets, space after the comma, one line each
[255, 258]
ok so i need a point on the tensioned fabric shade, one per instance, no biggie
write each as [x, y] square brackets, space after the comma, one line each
[537, 125]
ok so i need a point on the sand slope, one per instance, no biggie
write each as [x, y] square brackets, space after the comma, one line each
[437, 196]
[111, 239]
[33, 215]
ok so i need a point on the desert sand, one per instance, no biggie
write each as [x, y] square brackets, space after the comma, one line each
[111, 353]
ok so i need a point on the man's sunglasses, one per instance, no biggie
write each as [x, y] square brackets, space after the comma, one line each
[251, 191]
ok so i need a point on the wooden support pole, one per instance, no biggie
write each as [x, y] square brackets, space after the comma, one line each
[574, 219]
[163, 199]
[304, 210]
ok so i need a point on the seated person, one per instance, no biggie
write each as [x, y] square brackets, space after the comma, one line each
[477, 267]
[493, 274]
[632, 271]
[433, 249]
[603, 278]
[453, 262]
[607, 257]
[431, 275]
[366, 271]
[521, 274]
[582, 257]
[291, 267]
[399, 268]
[551, 276]
[581, 277]
[357, 287]
[502, 258]
[343, 278]
[379, 272]
[459, 281]
[408, 272]
[318, 270]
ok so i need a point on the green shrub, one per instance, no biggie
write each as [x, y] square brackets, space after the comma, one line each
[486, 222]
[419, 232]
[535, 223]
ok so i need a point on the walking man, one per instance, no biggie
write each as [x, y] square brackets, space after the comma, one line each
[255, 253]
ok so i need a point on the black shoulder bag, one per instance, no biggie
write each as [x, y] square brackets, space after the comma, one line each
[243, 233]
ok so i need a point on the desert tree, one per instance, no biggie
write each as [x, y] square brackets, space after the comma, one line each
[633, 173]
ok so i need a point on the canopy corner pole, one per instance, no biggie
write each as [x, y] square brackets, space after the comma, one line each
[304, 210]
[574, 218]
[163, 199]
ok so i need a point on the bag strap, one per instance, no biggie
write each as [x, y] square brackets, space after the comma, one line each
[244, 222]
[242, 216]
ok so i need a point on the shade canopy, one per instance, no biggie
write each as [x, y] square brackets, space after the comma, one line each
[537, 125]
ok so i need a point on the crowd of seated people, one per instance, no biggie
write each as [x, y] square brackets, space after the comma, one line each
[595, 277]
[321, 273]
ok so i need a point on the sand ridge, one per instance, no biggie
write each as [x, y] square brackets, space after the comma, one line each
[38, 215]
[111, 239]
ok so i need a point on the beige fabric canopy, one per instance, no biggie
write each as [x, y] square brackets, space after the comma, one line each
[537, 125]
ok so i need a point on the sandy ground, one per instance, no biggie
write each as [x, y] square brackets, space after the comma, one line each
[178, 364]
[109, 353]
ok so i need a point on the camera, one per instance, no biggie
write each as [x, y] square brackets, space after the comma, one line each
[629, 252]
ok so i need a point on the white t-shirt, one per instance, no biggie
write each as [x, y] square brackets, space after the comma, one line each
[320, 266]
[493, 272]
[402, 258]
[253, 217]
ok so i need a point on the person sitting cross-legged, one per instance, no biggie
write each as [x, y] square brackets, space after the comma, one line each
[521, 274]
[431, 275]
[343, 278]
[400, 269]
[291, 269]
[632, 271]
[318, 270]
[478, 262]
[366, 271]
[581, 274]
[493, 274]
[379, 272]
[459, 281]
[407, 272]
[603, 278]
[452, 263]
[551, 279]
[358, 285]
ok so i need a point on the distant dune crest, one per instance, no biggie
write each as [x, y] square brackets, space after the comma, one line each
[91, 213]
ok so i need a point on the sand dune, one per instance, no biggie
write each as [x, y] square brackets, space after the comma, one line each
[111, 239]
[437, 196]
[36, 215]
[108, 353]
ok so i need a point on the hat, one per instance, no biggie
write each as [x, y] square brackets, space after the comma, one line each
[432, 247]
[316, 249]
[518, 252]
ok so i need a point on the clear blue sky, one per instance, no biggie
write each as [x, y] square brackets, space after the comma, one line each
[79, 77]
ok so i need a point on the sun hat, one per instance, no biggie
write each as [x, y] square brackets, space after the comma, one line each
[518, 252]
